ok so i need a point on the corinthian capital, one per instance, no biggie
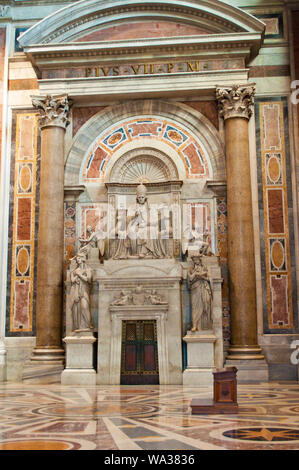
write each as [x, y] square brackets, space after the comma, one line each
[235, 101]
[54, 110]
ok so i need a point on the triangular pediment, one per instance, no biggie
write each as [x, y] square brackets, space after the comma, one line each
[102, 20]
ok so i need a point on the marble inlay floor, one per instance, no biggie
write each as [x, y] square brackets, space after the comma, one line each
[48, 417]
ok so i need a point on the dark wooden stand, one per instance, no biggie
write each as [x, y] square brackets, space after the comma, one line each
[225, 394]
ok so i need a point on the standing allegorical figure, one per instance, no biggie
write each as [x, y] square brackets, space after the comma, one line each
[81, 277]
[201, 295]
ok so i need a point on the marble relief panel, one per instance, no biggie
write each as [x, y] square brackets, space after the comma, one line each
[275, 201]
[23, 225]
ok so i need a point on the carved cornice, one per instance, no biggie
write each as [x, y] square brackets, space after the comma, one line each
[43, 53]
[54, 110]
[235, 101]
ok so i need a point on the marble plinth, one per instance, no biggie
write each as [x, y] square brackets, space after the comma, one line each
[79, 360]
[200, 358]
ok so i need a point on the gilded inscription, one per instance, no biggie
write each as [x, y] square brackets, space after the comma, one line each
[144, 69]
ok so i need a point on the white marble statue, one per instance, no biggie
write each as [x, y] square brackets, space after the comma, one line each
[142, 237]
[94, 240]
[81, 277]
[201, 295]
[154, 299]
[124, 299]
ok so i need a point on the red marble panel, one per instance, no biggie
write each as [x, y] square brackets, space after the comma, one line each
[275, 210]
[191, 152]
[94, 169]
[21, 303]
[81, 116]
[23, 219]
[92, 216]
[272, 137]
[142, 29]
[145, 128]
[279, 294]
[207, 108]
[26, 136]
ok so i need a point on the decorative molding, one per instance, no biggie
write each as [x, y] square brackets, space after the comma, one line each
[235, 101]
[54, 110]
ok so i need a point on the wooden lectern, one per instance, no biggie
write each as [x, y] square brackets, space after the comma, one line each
[225, 394]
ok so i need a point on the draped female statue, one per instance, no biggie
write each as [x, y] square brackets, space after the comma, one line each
[81, 277]
[201, 295]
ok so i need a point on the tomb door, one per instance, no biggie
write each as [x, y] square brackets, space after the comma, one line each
[139, 361]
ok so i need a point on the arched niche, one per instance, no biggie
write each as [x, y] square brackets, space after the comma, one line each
[196, 124]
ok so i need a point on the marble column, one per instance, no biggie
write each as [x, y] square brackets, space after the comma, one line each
[235, 107]
[49, 294]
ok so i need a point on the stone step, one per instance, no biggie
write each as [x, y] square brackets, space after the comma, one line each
[42, 373]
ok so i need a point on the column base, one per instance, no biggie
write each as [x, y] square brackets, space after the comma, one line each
[244, 352]
[52, 355]
[250, 370]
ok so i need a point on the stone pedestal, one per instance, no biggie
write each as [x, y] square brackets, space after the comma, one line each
[201, 358]
[79, 360]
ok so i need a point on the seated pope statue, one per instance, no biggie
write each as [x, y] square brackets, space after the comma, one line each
[141, 237]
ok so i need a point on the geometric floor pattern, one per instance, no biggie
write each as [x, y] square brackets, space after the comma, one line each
[57, 417]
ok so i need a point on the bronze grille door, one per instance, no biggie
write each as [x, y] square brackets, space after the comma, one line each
[139, 356]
